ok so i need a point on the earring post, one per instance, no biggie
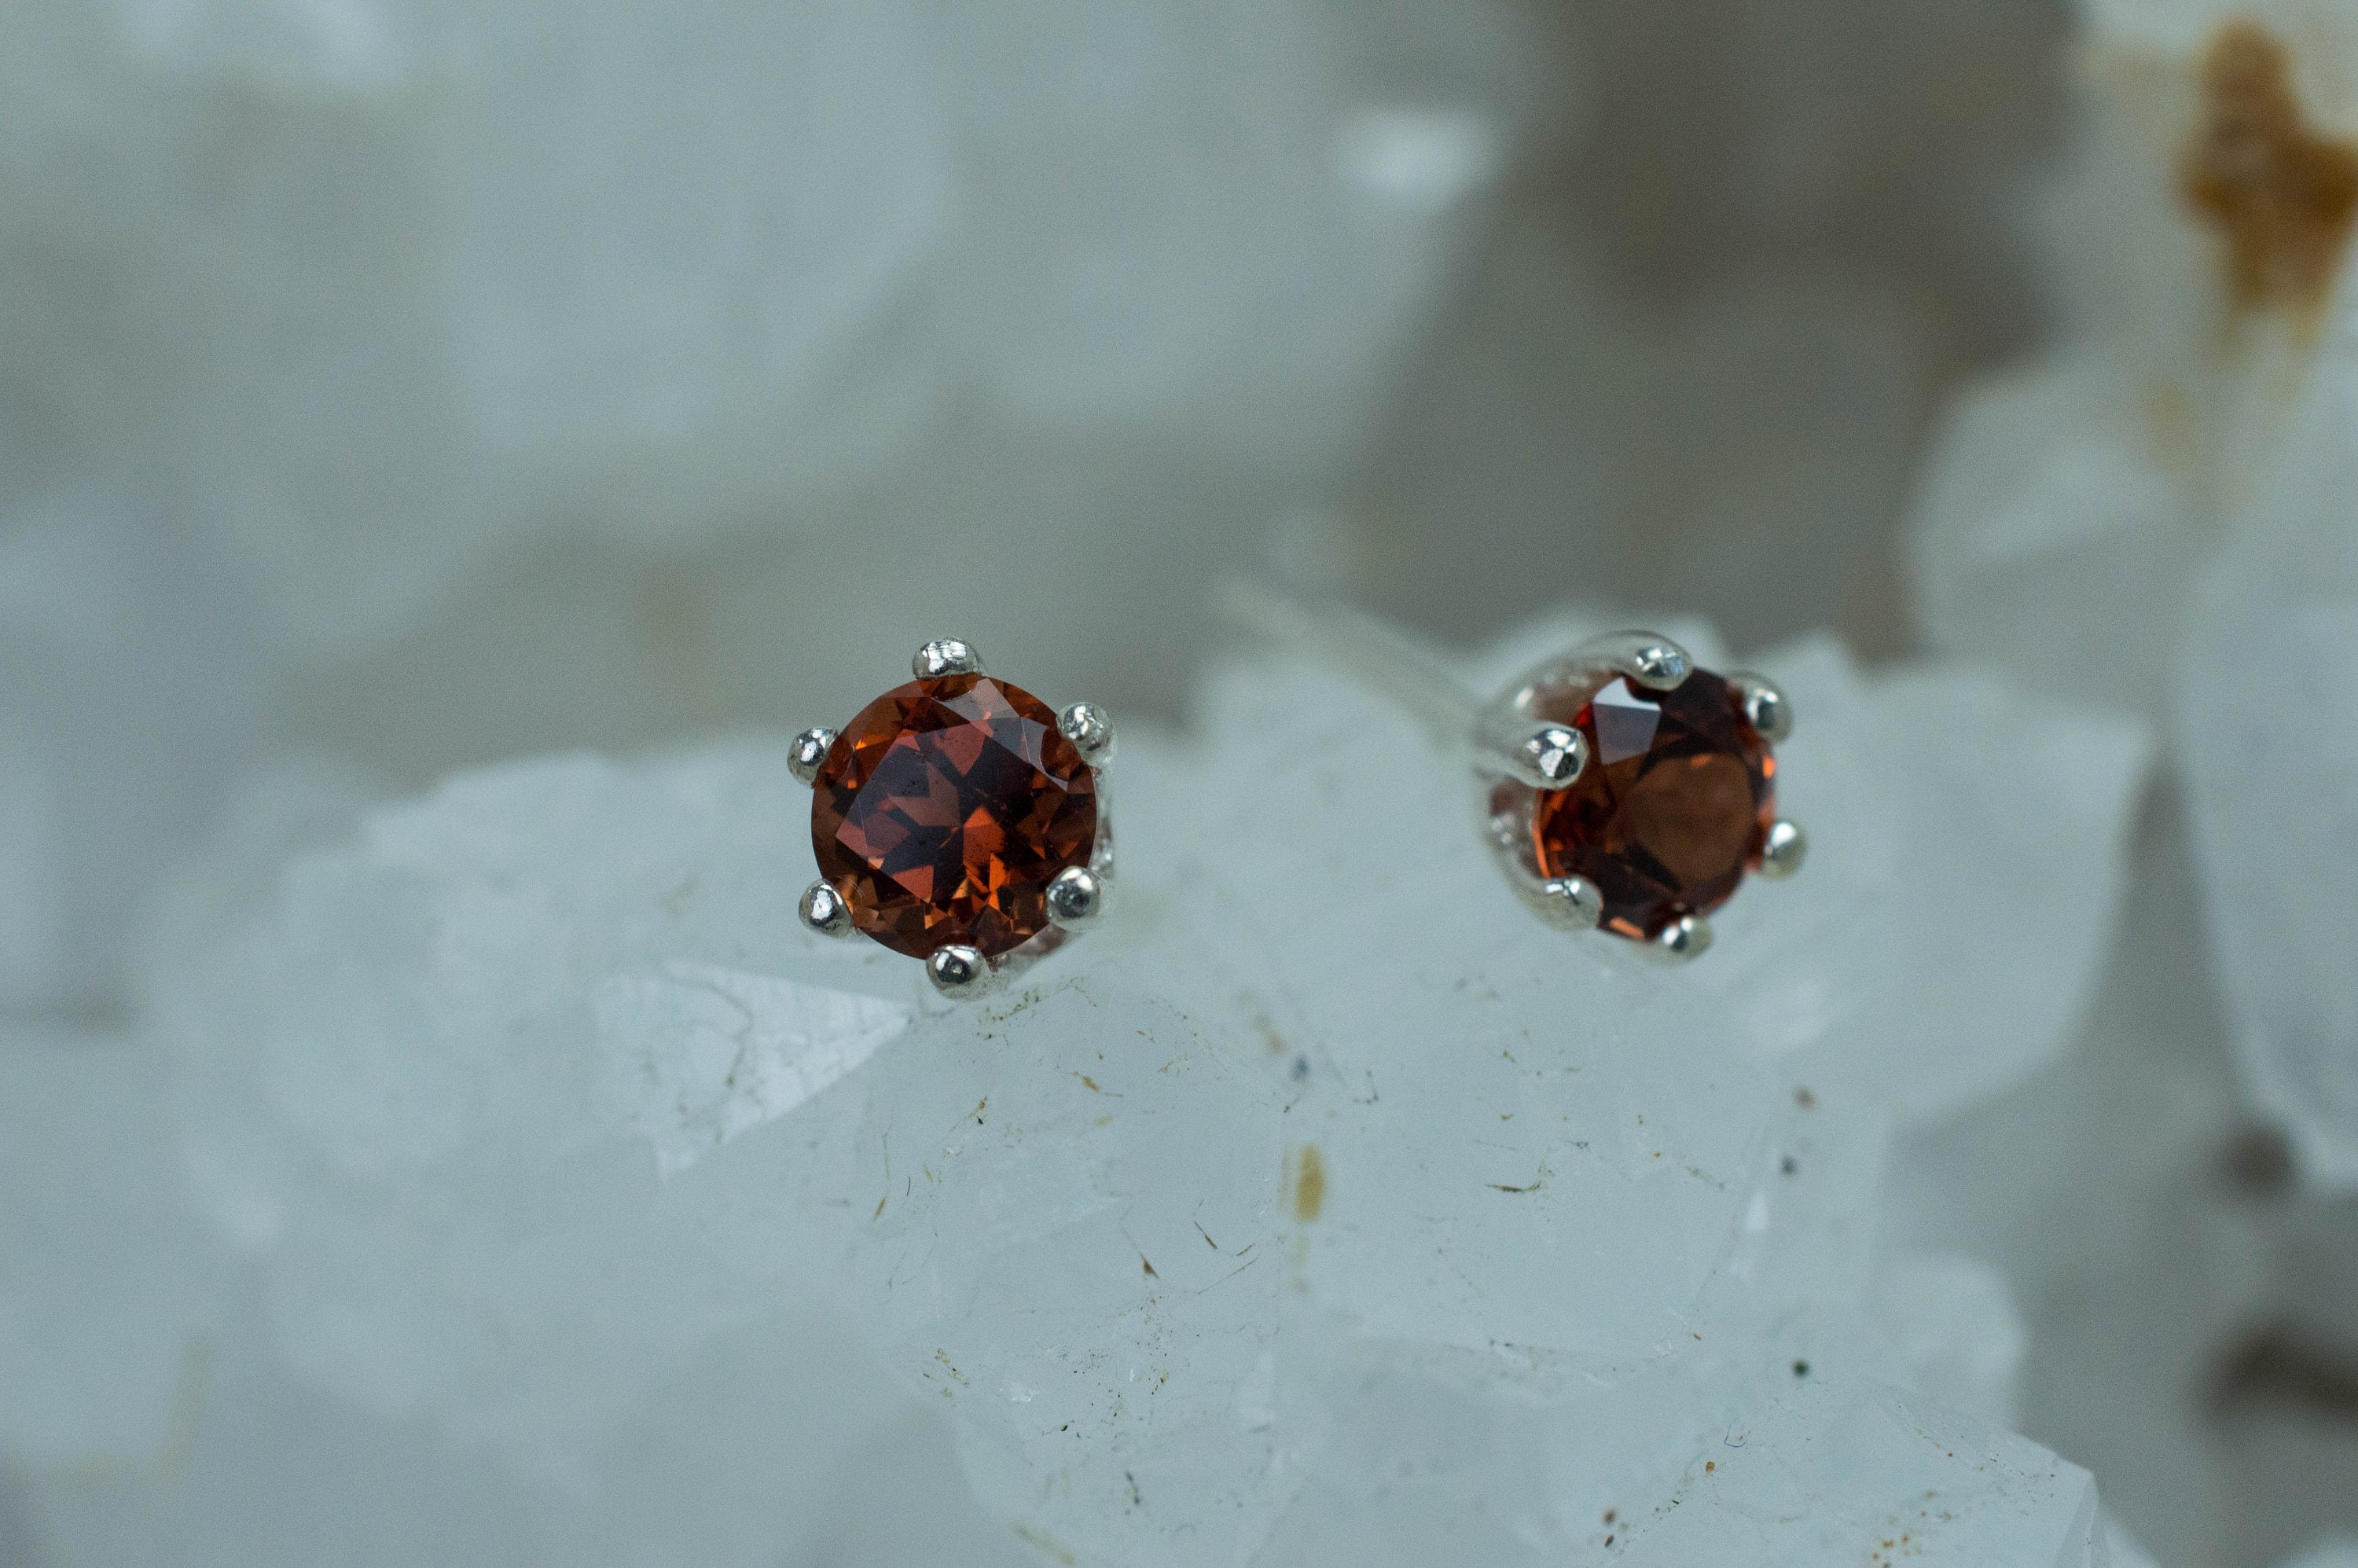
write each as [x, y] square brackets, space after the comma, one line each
[1403, 669]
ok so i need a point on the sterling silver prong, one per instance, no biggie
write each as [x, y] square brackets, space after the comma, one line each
[1551, 757]
[1575, 902]
[1075, 898]
[1765, 707]
[945, 657]
[1782, 852]
[824, 911]
[958, 972]
[1650, 659]
[808, 750]
[1101, 852]
[1683, 940]
[1085, 725]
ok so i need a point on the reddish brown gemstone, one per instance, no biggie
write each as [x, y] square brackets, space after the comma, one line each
[1672, 809]
[944, 810]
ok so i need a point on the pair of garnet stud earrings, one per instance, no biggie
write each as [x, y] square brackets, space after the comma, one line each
[962, 821]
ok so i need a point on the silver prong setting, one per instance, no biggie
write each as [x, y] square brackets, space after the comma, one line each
[1569, 904]
[1766, 708]
[824, 911]
[1075, 898]
[1682, 941]
[1546, 754]
[1552, 757]
[1662, 666]
[1573, 902]
[1091, 730]
[808, 752]
[1648, 658]
[958, 972]
[1101, 855]
[1784, 849]
[945, 657]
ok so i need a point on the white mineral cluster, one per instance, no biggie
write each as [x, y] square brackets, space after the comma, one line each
[2154, 516]
[493, 1171]
[1323, 1207]
[2269, 681]
[2129, 1291]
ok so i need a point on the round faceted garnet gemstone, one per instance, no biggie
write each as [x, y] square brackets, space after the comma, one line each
[944, 810]
[1672, 810]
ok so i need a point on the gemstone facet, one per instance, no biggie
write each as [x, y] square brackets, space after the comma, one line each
[945, 809]
[1673, 808]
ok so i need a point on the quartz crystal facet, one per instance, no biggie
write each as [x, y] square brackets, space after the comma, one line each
[944, 810]
[1672, 810]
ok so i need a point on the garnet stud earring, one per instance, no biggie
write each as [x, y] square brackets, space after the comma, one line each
[1625, 789]
[1631, 791]
[959, 821]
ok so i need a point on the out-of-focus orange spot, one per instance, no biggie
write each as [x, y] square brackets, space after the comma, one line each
[2280, 196]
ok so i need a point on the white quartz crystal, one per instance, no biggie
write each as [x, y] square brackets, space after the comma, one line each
[482, 271]
[2266, 737]
[786, 1442]
[127, 680]
[1234, 1232]
[414, 1047]
[2051, 538]
[149, 1413]
[2068, 504]
[1954, 1331]
[2153, 518]
[2170, 1252]
[110, 1286]
[1451, 1463]
[1835, 1471]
